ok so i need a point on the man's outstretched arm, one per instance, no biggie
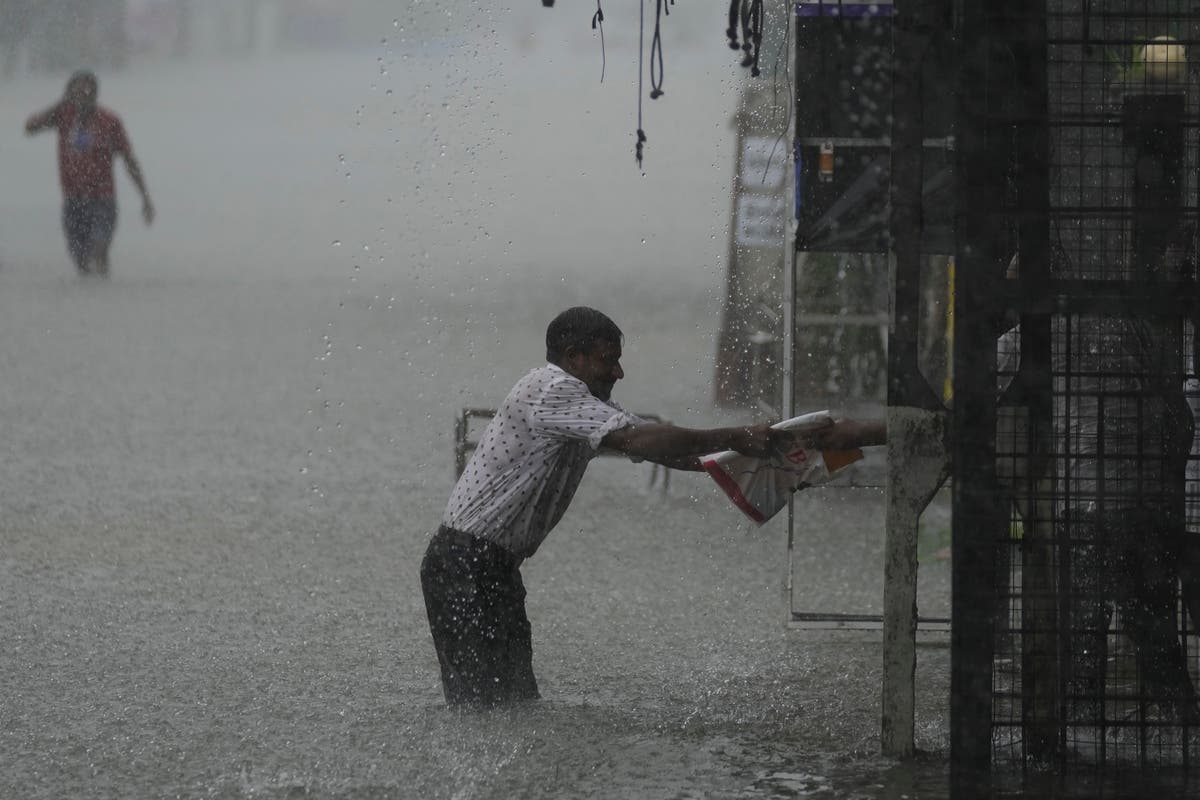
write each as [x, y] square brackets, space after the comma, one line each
[680, 447]
[43, 120]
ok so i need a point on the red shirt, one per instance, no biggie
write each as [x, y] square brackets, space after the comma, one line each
[85, 151]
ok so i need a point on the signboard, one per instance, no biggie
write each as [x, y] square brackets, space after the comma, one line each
[760, 218]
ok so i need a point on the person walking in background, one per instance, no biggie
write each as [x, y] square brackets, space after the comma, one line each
[88, 138]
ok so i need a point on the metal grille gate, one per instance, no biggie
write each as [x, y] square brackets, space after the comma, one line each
[1076, 537]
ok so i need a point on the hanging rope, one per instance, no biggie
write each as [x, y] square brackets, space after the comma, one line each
[598, 22]
[747, 34]
[656, 54]
[732, 30]
[749, 15]
[641, 134]
[756, 28]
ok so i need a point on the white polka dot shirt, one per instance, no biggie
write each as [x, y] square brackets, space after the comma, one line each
[530, 460]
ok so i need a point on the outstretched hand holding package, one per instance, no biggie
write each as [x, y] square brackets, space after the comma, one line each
[760, 487]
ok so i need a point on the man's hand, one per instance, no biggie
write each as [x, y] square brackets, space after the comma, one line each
[759, 441]
[148, 211]
[42, 120]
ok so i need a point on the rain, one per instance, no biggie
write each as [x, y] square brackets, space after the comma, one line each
[223, 461]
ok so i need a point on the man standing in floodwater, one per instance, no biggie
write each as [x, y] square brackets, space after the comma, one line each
[519, 483]
[88, 138]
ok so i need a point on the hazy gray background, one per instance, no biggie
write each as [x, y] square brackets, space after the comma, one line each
[221, 465]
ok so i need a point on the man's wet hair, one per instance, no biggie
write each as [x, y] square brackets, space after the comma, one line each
[581, 327]
[84, 76]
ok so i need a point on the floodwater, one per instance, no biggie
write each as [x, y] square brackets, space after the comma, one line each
[221, 465]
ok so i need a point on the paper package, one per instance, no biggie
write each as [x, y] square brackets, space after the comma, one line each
[760, 487]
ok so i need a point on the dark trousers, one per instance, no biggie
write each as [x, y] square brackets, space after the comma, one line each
[476, 605]
[89, 224]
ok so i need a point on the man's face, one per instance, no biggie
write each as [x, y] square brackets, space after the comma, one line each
[82, 95]
[599, 367]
